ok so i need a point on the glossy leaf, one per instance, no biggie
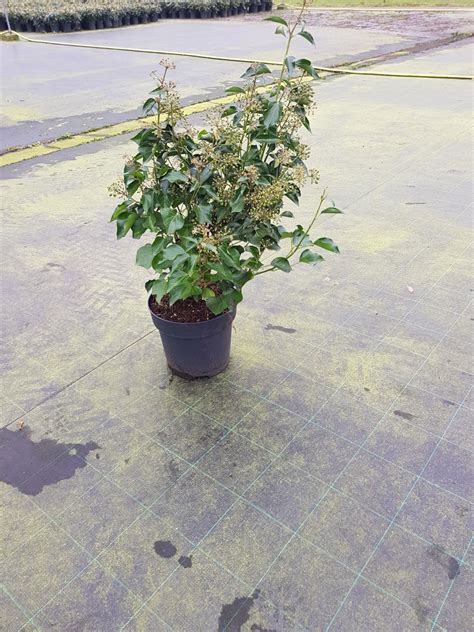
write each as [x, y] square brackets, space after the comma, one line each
[307, 67]
[307, 36]
[272, 115]
[256, 70]
[308, 256]
[282, 264]
[332, 209]
[159, 289]
[176, 176]
[145, 256]
[207, 292]
[203, 213]
[124, 225]
[277, 19]
[217, 304]
[235, 90]
[327, 244]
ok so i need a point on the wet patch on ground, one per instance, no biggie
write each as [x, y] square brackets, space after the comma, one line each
[185, 561]
[285, 330]
[23, 462]
[421, 610]
[236, 613]
[165, 548]
[404, 415]
[445, 560]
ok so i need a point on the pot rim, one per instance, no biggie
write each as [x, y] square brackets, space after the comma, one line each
[200, 322]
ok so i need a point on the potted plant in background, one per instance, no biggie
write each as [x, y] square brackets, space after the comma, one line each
[213, 201]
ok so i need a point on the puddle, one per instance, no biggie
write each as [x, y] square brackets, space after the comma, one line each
[236, 613]
[185, 561]
[164, 548]
[23, 461]
[285, 330]
[404, 415]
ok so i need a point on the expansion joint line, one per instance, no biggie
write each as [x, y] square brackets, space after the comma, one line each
[324, 69]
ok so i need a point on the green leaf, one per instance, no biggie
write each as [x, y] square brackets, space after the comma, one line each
[208, 293]
[159, 289]
[237, 204]
[148, 200]
[267, 137]
[205, 174]
[235, 90]
[307, 256]
[276, 19]
[280, 30]
[217, 304]
[223, 272]
[132, 186]
[331, 209]
[172, 220]
[145, 256]
[203, 213]
[256, 70]
[282, 264]
[272, 115]
[294, 196]
[254, 251]
[173, 251]
[307, 36]
[230, 257]
[232, 109]
[149, 105]
[286, 214]
[124, 225]
[182, 291]
[307, 67]
[120, 209]
[300, 238]
[284, 234]
[139, 227]
[176, 176]
[327, 244]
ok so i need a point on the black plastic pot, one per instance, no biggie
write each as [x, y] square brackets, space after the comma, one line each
[100, 23]
[89, 24]
[196, 349]
[126, 20]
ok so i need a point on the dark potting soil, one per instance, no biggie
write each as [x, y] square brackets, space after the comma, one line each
[188, 310]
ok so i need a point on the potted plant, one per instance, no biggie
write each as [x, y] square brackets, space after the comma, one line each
[212, 200]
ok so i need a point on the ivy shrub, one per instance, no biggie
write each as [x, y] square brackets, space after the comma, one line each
[67, 15]
[213, 199]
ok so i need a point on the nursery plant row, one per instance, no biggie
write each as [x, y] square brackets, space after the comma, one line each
[68, 15]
